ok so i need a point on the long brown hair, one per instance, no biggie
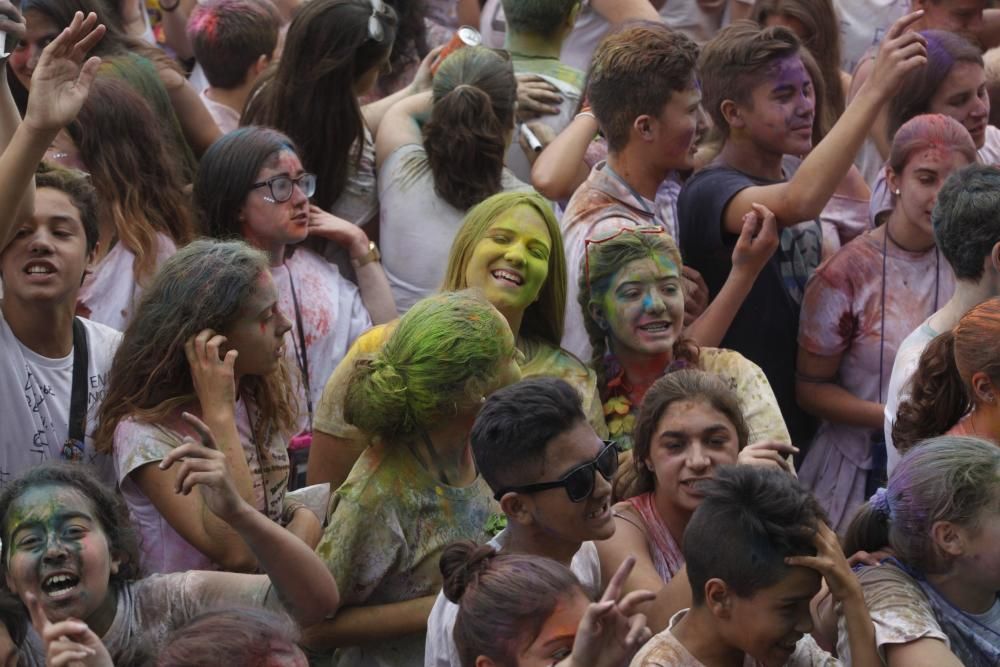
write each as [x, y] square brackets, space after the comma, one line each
[941, 389]
[138, 181]
[309, 94]
[684, 385]
[475, 94]
[203, 286]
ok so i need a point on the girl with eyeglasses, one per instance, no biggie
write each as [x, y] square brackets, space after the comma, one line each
[632, 301]
[333, 53]
[252, 185]
[691, 422]
[416, 489]
[208, 338]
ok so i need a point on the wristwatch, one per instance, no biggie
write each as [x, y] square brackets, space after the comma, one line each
[373, 255]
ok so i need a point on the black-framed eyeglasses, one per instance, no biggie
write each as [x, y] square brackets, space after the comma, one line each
[282, 186]
[376, 32]
[578, 482]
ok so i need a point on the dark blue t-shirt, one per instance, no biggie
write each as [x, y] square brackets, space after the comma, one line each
[766, 327]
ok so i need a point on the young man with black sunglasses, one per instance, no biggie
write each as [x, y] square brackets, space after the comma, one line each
[552, 474]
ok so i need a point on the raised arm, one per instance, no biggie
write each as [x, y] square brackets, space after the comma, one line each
[809, 190]
[401, 126]
[190, 514]
[560, 168]
[304, 584]
[60, 85]
[376, 112]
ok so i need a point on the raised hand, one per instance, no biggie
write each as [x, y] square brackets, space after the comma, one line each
[202, 465]
[830, 562]
[345, 234]
[212, 374]
[611, 630]
[768, 453]
[757, 241]
[900, 53]
[424, 78]
[68, 643]
[62, 78]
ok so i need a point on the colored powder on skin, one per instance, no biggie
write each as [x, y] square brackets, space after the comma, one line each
[206, 23]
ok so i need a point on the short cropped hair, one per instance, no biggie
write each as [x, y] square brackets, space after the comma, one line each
[77, 186]
[966, 220]
[516, 424]
[228, 36]
[537, 17]
[634, 72]
[737, 60]
[750, 520]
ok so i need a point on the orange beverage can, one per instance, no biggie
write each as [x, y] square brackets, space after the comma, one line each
[463, 37]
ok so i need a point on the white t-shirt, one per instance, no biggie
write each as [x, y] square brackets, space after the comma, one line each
[687, 16]
[35, 394]
[440, 650]
[110, 293]
[333, 315]
[417, 226]
[903, 368]
[863, 24]
[226, 117]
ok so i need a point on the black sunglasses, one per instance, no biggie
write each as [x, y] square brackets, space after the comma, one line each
[578, 482]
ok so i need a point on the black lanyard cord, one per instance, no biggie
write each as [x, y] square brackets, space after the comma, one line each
[301, 354]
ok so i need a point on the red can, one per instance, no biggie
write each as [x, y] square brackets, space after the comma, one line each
[463, 37]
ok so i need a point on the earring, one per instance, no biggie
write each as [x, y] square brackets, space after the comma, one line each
[896, 192]
[482, 399]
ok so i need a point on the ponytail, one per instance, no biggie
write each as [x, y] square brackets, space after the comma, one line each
[937, 400]
[503, 598]
[465, 145]
[475, 94]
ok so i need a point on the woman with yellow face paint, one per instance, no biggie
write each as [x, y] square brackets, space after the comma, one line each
[510, 248]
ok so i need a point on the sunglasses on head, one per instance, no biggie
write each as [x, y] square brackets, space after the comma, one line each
[578, 482]
[604, 239]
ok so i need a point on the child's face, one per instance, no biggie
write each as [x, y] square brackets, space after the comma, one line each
[779, 118]
[510, 263]
[258, 334]
[555, 640]
[963, 96]
[768, 624]
[644, 306]
[58, 551]
[692, 439]
[553, 511]
[47, 256]
[923, 175]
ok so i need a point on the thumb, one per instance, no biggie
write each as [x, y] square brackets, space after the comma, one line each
[748, 229]
[88, 72]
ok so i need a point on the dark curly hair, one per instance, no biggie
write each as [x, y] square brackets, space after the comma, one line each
[109, 506]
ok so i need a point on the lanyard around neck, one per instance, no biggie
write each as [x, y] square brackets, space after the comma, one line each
[638, 197]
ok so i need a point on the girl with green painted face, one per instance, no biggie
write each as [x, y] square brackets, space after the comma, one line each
[511, 249]
[633, 310]
[69, 552]
[416, 489]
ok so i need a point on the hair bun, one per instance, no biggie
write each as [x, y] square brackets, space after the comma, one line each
[462, 563]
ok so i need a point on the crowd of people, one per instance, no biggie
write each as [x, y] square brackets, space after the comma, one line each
[601, 333]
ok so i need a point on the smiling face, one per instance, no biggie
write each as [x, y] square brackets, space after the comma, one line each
[691, 440]
[551, 511]
[58, 551]
[258, 333]
[643, 307]
[769, 623]
[963, 96]
[779, 118]
[924, 174]
[511, 261]
[267, 222]
[555, 639]
[40, 30]
[47, 257]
